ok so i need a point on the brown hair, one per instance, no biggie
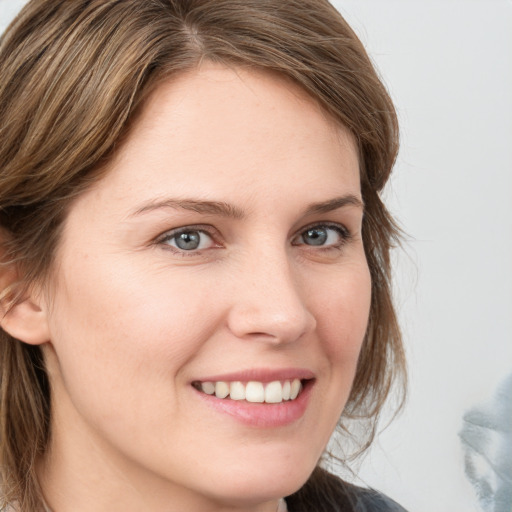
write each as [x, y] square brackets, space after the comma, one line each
[74, 73]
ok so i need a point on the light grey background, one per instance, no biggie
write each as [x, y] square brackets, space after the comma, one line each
[448, 65]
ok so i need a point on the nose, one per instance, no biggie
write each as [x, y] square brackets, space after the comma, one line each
[268, 302]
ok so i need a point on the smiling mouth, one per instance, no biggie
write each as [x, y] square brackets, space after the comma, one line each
[274, 392]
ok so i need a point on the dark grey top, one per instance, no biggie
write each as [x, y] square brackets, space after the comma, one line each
[325, 492]
[367, 500]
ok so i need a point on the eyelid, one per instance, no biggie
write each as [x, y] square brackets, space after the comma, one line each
[342, 230]
[171, 233]
[344, 233]
[168, 233]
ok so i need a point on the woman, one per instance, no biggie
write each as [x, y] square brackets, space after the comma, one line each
[195, 257]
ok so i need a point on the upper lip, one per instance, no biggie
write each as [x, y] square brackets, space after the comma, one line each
[260, 375]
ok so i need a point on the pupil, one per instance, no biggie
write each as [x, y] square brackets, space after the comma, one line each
[188, 241]
[315, 236]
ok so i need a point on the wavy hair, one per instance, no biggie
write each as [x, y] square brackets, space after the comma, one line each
[74, 74]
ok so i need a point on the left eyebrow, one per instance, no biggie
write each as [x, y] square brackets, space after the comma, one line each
[334, 204]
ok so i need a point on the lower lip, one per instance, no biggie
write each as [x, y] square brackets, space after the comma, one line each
[262, 415]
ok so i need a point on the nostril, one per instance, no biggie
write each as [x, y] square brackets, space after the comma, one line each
[269, 322]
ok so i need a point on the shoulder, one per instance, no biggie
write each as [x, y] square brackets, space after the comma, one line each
[369, 500]
[325, 492]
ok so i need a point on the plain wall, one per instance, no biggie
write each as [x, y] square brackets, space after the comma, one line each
[448, 65]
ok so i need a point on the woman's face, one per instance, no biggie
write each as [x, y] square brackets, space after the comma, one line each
[222, 249]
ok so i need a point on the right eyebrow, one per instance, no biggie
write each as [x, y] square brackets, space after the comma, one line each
[208, 207]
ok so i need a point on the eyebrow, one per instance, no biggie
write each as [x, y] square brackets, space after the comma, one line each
[199, 206]
[224, 209]
[335, 204]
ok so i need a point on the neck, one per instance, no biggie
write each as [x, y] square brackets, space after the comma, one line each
[82, 471]
[70, 483]
[68, 491]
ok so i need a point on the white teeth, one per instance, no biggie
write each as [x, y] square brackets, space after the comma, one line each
[221, 389]
[296, 385]
[208, 388]
[254, 392]
[271, 393]
[237, 391]
[286, 390]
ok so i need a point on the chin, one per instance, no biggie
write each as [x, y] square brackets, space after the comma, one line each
[245, 485]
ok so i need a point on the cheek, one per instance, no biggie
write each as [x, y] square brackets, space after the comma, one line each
[117, 323]
[342, 317]
[342, 307]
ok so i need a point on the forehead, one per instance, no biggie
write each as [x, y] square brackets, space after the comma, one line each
[224, 131]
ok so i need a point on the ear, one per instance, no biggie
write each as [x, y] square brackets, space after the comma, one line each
[25, 320]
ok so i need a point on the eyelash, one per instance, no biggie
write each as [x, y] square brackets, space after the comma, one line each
[341, 230]
[173, 234]
[164, 239]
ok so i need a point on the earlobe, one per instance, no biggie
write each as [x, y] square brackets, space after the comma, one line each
[25, 320]
[22, 312]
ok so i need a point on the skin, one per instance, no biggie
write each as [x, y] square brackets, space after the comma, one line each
[131, 320]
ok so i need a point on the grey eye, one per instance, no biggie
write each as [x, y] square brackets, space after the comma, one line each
[327, 236]
[315, 236]
[190, 240]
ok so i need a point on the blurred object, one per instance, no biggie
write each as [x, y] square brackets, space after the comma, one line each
[486, 437]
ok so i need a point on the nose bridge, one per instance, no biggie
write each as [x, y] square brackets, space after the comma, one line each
[269, 301]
